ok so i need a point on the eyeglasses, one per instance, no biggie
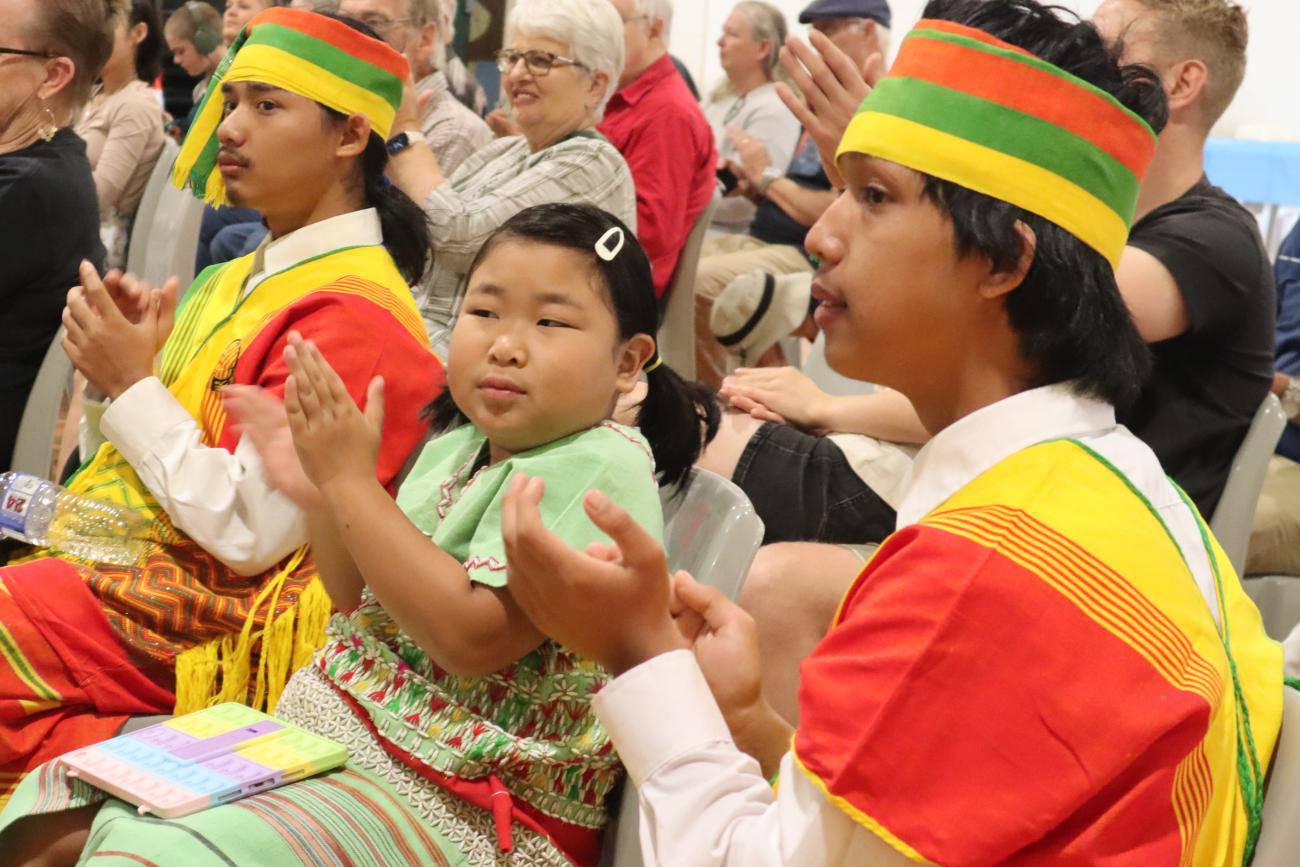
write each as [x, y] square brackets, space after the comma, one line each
[539, 63]
[23, 52]
[381, 25]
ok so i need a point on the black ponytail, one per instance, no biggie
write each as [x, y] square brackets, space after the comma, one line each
[405, 225]
[677, 417]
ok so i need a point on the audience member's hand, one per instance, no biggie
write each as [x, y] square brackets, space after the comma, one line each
[108, 348]
[609, 603]
[725, 642]
[335, 440]
[781, 394]
[743, 186]
[502, 124]
[832, 87]
[264, 420]
[411, 109]
[754, 158]
[133, 297]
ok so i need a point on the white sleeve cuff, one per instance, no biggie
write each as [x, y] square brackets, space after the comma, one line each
[142, 416]
[659, 711]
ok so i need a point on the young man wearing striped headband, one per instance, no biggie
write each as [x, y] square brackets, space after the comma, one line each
[1051, 660]
[293, 126]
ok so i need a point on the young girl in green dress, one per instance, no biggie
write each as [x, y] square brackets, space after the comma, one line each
[470, 732]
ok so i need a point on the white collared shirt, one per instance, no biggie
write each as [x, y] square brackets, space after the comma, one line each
[222, 500]
[703, 802]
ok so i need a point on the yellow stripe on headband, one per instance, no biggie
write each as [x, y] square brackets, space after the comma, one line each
[992, 173]
[279, 68]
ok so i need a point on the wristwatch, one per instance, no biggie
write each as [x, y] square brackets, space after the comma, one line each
[771, 173]
[404, 140]
[1291, 399]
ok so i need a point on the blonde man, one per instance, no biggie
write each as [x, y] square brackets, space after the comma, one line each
[1195, 273]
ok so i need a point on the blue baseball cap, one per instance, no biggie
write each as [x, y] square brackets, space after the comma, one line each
[876, 10]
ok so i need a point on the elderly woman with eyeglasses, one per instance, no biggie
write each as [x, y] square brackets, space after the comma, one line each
[51, 52]
[559, 66]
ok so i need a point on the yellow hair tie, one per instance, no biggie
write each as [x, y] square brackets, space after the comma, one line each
[654, 365]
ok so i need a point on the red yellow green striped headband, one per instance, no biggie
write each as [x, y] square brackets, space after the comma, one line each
[966, 107]
[320, 58]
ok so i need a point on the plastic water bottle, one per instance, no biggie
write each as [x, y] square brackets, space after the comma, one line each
[47, 515]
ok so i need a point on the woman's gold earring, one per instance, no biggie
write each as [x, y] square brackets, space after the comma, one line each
[50, 128]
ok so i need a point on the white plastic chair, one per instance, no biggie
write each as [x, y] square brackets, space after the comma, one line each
[1235, 513]
[166, 231]
[1279, 837]
[36, 443]
[827, 380]
[714, 533]
[1278, 599]
[677, 329]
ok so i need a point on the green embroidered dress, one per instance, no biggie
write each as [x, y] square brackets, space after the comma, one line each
[528, 724]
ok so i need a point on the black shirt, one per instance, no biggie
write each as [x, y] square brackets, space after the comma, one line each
[49, 222]
[1208, 382]
[772, 225]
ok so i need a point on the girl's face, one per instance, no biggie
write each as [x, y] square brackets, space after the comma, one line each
[536, 355]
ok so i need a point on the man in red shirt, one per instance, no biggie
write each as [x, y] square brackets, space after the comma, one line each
[659, 128]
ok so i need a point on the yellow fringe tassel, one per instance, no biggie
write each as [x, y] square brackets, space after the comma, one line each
[221, 670]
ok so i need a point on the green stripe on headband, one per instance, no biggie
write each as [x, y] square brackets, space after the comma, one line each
[966, 107]
[320, 53]
[1024, 136]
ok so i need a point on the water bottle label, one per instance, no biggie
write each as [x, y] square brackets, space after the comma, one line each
[14, 503]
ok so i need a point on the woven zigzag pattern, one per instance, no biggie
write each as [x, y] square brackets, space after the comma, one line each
[183, 596]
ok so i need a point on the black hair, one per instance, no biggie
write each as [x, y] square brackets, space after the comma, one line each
[148, 54]
[1072, 322]
[405, 225]
[675, 412]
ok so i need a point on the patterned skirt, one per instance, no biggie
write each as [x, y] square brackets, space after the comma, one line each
[375, 811]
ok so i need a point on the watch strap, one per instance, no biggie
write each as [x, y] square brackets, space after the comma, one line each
[404, 140]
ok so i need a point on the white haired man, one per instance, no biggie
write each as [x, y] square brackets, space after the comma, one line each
[660, 130]
[414, 27]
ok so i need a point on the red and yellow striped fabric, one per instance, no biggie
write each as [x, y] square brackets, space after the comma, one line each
[1030, 675]
[181, 616]
[966, 107]
[320, 58]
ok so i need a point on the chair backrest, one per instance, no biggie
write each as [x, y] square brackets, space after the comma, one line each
[677, 330]
[35, 446]
[1279, 836]
[714, 533]
[1235, 513]
[1278, 599]
[166, 231]
[827, 380]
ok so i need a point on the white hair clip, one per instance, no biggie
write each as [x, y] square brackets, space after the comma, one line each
[606, 248]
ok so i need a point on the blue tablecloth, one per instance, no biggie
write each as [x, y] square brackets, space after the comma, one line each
[1266, 172]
